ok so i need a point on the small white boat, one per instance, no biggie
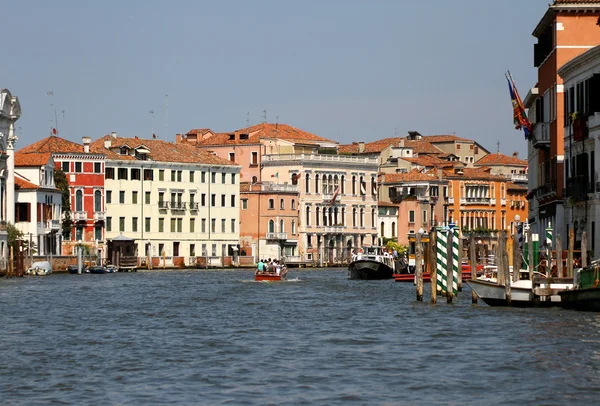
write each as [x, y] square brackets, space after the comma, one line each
[40, 268]
[374, 263]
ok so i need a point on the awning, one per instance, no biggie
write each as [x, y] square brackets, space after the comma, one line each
[291, 242]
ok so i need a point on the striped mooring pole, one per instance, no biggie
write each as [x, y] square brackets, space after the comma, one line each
[455, 265]
[441, 256]
[549, 243]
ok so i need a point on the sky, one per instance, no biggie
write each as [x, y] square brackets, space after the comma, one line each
[346, 70]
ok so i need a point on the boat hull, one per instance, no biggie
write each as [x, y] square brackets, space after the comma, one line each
[493, 294]
[370, 270]
[410, 277]
[270, 277]
[581, 299]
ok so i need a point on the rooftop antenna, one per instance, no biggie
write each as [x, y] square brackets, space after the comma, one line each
[152, 114]
[264, 115]
[166, 114]
[395, 132]
[276, 121]
[53, 128]
[248, 119]
[498, 144]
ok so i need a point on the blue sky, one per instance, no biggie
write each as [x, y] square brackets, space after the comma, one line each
[347, 70]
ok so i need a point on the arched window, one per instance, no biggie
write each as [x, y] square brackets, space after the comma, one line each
[295, 178]
[354, 217]
[254, 179]
[373, 218]
[330, 188]
[97, 200]
[325, 217]
[382, 232]
[293, 227]
[362, 217]
[354, 185]
[335, 217]
[307, 183]
[307, 215]
[281, 228]
[373, 186]
[271, 226]
[343, 183]
[393, 229]
[79, 200]
[318, 212]
[293, 204]
[343, 222]
[361, 185]
[317, 184]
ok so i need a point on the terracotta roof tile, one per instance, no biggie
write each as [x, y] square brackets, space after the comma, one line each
[500, 159]
[516, 186]
[160, 151]
[559, 2]
[23, 184]
[414, 175]
[418, 146]
[53, 144]
[32, 159]
[474, 173]
[445, 138]
[429, 161]
[386, 204]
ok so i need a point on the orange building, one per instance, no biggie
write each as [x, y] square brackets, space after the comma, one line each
[567, 29]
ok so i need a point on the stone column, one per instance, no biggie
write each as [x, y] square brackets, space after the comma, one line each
[10, 174]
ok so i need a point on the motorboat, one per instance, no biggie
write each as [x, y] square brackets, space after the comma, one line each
[271, 276]
[586, 292]
[373, 263]
[40, 268]
[410, 277]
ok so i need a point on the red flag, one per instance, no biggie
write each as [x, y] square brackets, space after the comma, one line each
[335, 194]
[54, 131]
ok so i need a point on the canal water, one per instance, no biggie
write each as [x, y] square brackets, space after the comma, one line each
[218, 337]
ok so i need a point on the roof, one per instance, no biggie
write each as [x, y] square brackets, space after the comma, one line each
[32, 159]
[516, 186]
[160, 151]
[265, 130]
[386, 204]
[428, 161]
[414, 175]
[481, 172]
[418, 146]
[562, 5]
[561, 2]
[53, 144]
[445, 138]
[500, 159]
[23, 184]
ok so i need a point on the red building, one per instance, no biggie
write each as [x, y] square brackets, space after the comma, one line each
[85, 174]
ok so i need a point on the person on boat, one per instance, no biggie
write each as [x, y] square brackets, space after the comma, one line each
[353, 255]
[260, 266]
[277, 267]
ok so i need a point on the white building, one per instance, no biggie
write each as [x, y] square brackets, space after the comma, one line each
[175, 200]
[581, 78]
[38, 203]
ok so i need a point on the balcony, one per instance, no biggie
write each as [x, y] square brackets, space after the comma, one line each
[193, 206]
[503, 202]
[329, 197]
[518, 177]
[99, 216]
[541, 135]
[578, 188]
[334, 229]
[177, 205]
[2, 225]
[53, 225]
[80, 216]
[163, 205]
[276, 236]
[475, 200]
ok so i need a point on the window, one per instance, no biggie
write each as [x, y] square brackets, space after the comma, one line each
[244, 204]
[161, 249]
[122, 173]
[192, 250]
[97, 167]
[254, 179]
[191, 176]
[66, 167]
[307, 183]
[148, 174]
[232, 156]
[318, 216]
[214, 250]
[281, 204]
[424, 216]
[271, 204]
[213, 225]
[233, 200]
[223, 178]
[213, 200]
[122, 196]
[233, 225]
[254, 158]
[233, 178]
[175, 248]
[293, 204]
[203, 177]
[148, 196]
[161, 174]
[307, 220]
[354, 185]
[135, 174]
[192, 225]
[179, 176]
[179, 225]
[213, 177]
[22, 212]
[203, 229]
[161, 225]
[222, 200]
[109, 196]
[79, 200]
[134, 224]
[161, 200]
[121, 224]
[411, 216]
[173, 224]
[134, 196]
[109, 224]
[109, 173]
[97, 200]
[203, 199]
[271, 226]
[204, 252]
[293, 227]
[98, 232]
[79, 233]
[147, 221]
[457, 146]
[173, 175]
[281, 228]
[222, 225]
[78, 167]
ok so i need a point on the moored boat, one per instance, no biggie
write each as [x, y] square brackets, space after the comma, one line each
[97, 269]
[371, 265]
[586, 294]
[40, 268]
[410, 277]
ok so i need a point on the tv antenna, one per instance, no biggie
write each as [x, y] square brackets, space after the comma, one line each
[248, 119]
[152, 114]
[264, 115]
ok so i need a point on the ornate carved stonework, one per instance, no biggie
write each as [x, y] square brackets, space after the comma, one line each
[11, 141]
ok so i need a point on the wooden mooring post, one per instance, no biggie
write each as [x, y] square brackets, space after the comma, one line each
[433, 257]
[570, 253]
[419, 267]
[449, 269]
[473, 262]
[506, 271]
[516, 258]
[559, 257]
[584, 261]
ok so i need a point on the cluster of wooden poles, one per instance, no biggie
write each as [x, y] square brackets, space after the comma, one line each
[502, 263]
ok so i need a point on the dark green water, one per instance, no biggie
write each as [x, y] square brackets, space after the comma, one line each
[218, 337]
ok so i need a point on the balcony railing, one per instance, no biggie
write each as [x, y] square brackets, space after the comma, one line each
[518, 177]
[163, 205]
[177, 205]
[193, 206]
[276, 236]
[474, 200]
[99, 216]
[80, 216]
[334, 229]
[578, 187]
[541, 135]
[328, 197]
[53, 225]
[318, 157]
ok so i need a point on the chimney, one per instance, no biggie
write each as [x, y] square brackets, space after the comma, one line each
[178, 138]
[439, 174]
[361, 147]
[113, 134]
[107, 142]
[401, 143]
[515, 154]
[86, 144]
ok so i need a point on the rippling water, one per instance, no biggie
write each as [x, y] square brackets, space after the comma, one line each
[218, 337]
